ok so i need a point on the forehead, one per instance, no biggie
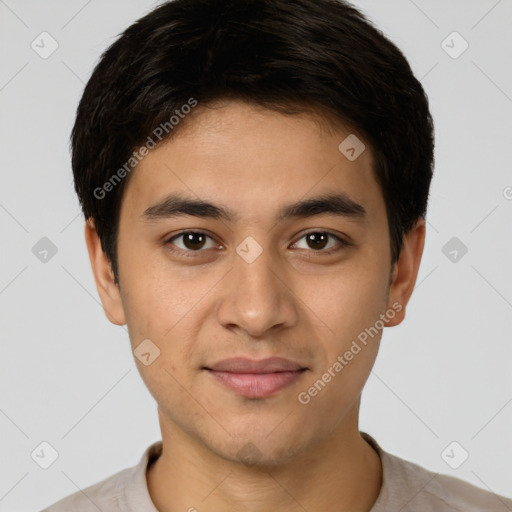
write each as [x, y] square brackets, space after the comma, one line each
[250, 157]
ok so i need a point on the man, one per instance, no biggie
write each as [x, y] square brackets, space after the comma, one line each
[254, 175]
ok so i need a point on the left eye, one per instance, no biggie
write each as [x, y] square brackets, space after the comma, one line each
[319, 241]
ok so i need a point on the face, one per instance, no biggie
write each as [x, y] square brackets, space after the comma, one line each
[246, 237]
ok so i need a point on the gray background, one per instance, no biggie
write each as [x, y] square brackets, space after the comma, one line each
[67, 376]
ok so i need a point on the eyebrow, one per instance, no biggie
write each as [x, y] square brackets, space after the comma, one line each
[175, 205]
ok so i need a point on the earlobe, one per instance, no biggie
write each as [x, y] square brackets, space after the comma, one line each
[405, 272]
[103, 276]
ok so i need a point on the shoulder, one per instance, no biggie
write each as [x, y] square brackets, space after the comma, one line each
[417, 488]
[125, 491]
[409, 487]
[104, 495]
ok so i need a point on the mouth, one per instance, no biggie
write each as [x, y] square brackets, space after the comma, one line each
[256, 379]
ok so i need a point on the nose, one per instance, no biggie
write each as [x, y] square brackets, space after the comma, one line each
[258, 298]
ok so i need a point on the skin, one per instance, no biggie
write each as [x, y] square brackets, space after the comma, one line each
[222, 451]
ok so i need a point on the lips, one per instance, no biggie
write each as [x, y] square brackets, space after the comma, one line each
[244, 365]
[256, 378]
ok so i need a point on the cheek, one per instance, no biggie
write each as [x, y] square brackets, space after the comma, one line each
[355, 305]
[350, 303]
[347, 301]
[168, 308]
[156, 295]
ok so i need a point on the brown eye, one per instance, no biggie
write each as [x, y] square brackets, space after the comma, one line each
[317, 240]
[192, 241]
[320, 240]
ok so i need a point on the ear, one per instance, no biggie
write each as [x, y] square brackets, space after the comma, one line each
[104, 277]
[405, 272]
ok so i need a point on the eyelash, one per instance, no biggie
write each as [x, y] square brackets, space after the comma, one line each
[191, 254]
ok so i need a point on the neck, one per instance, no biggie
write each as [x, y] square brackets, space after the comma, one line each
[343, 472]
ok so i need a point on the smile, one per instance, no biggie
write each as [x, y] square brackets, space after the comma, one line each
[256, 379]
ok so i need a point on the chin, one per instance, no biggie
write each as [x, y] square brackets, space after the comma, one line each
[261, 451]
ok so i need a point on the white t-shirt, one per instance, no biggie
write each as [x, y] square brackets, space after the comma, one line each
[406, 487]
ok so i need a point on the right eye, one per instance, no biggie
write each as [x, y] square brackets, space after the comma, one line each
[191, 241]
